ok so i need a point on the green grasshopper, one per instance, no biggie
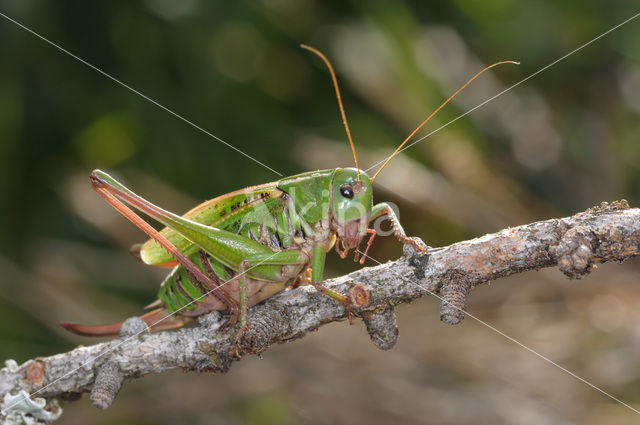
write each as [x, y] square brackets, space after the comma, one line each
[238, 249]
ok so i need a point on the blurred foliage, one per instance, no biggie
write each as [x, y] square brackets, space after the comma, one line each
[560, 142]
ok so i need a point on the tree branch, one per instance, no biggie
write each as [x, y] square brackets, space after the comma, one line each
[576, 244]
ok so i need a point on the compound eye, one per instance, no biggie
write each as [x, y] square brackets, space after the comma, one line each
[346, 191]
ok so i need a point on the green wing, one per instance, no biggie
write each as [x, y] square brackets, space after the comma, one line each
[226, 212]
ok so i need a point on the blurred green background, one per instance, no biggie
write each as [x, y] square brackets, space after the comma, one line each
[557, 144]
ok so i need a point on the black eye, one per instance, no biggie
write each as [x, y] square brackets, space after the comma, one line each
[347, 191]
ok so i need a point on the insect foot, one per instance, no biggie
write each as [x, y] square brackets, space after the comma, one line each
[263, 328]
[454, 290]
[574, 252]
[107, 385]
[382, 328]
[237, 334]
[414, 246]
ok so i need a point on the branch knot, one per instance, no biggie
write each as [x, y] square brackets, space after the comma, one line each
[382, 328]
[574, 251]
[454, 290]
[107, 385]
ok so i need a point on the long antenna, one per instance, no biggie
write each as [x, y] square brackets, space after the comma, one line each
[335, 85]
[435, 112]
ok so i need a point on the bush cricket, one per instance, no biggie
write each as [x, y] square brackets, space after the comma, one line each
[238, 249]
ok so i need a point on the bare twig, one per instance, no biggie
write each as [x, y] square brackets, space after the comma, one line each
[576, 244]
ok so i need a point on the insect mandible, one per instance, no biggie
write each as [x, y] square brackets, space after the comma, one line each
[238, 249]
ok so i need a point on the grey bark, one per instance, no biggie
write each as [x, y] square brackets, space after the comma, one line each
[575, 244]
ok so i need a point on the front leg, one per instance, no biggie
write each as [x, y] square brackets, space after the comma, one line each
[385, 209]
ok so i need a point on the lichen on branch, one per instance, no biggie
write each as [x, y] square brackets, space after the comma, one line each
[610, 232]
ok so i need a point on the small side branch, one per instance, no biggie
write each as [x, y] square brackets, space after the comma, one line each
[575, 244]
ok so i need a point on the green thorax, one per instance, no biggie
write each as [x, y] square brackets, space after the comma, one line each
[310, 193]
